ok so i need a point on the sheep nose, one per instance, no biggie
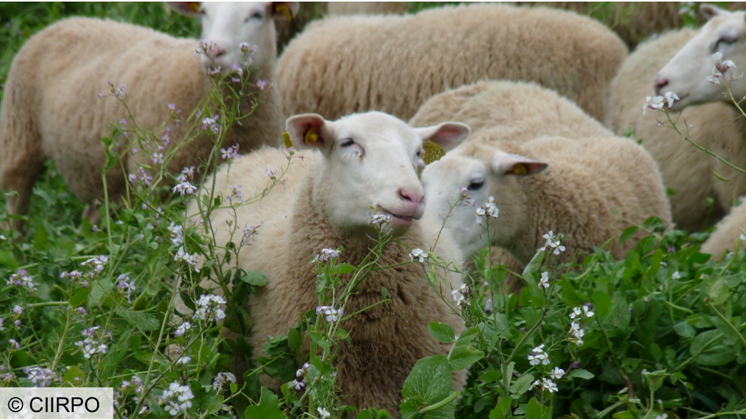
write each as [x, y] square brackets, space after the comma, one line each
[216, 52]
[659, 83]
[412, 196]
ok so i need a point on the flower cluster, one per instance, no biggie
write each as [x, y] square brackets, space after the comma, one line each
[656, 103]
[211, 124]
[299, 374]
[379, 220]
[248, 234]
[97, 265]
[544, 281]
[487, 210]
[127, 285]
[208, 308]
[323, 413]
[235, 194]
[177, 234]
[182, 256]
[6, 377]
[182, 329]
[576, 327]
[135, 383]
[222, 379]
[141, 176]
[326, 255]
[41, 377]
[330, 313]
[204, 47]
[92, 344]
[184, 187]
[178, 398]
[418, 254]
[553, 242]
[458, 295]
[539, 357]
[118, 92]
[230, 153]
[21, 279]
[722, 67]
[466, 199]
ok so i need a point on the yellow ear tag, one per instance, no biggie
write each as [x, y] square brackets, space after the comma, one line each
[520, 169]
[433, 152]
[312, 135]
[194, 6]
[286, 139]
[285, 10]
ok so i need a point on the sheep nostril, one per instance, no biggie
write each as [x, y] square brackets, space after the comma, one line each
[412, 196]
[659, 83]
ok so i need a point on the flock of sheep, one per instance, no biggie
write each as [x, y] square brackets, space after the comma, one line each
[529, 87]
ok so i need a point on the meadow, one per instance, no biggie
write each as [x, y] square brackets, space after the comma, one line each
[659, 334]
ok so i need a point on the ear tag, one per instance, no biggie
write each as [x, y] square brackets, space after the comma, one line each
[194, 6]
[286, 139]
[519, 169]
[433, 152]
[285, 10]
[312, 135]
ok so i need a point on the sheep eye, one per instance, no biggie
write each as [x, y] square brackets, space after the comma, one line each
[255, 15]
[419, 153]
[726, 40]
[346, 142]
[475, 184]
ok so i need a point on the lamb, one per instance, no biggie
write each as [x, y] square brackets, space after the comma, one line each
[51, 108]
[728, 233]
[378, 61]
[596, 186]
[363, 161]
[717, 126]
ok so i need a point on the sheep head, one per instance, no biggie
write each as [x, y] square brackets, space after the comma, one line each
[370, 167]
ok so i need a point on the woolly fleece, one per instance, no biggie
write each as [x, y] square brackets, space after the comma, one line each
[719, 127]
[51, 109]
[727, 234]
[393, 64]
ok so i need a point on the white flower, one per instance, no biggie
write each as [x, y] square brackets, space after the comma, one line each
[715, 76]
[221, 379]
[557, 373]
[544, 281]
[177, 234]
[553, 242]
[676, 275]
[548, 385]
[323, 413]
[378, 220]
[489, 209]
[185, 187]
[655, 103]
[742, 237]
[183, 360]
[208, 308]
[670, 98]
[183, 395]
[326, 255]
[331, 314]
[183, 256]
[538, 356]
[182, 328]
[418, 254]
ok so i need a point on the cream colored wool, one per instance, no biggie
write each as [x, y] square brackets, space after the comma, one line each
[338, 8]
[386, 340]
[51, 109]
[395, 63]
[593, 189]
[719, 127]
[728, 232]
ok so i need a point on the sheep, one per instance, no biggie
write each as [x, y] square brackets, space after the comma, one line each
[364, 161]
[377, 61]
[518, 117]
[717, 126]
[339, 8]
[51, 110]
[728, 233]
[594, 189]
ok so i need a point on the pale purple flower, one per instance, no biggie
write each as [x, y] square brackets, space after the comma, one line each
[41, 377]
[21, 279]
[221, 379]
[208, 308]
[249, 234]
[178, 398]
[261, 84]
[18, 310]
[330, 313]
[182, 329]
[14, 343]
[182, 256]
[185, 187]
[229, 153]
[418, 254]
[326, 255]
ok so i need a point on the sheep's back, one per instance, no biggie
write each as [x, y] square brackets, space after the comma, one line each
[394, 64]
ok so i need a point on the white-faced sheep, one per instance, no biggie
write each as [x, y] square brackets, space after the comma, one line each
[364, 163]
[51, 107]
[596, 185]
[395, 63]
[719, 127]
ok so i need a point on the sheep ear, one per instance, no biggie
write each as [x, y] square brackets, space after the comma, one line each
[447, 134]
[709, 11]
[186, 8]
[283, 9]
[309, 131]
[512, 164]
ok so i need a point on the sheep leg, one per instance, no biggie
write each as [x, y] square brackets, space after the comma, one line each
[20, 165]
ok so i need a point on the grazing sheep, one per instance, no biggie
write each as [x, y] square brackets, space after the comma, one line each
[395, 63]
[700, 198]
[51, 110]
[339, 8]
[364, 161]
[593, 189]
[728, 233]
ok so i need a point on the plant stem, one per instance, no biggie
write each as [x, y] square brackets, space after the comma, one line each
[730, 325]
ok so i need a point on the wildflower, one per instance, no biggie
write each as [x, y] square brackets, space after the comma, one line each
[188, 172]
[248, 234]
[221, 379]
[467, 200]
[298, 385]
[557, 373]
[418, 254]
[247, 48]
[379, 220]
[676, 275]
[183, 360]
[579, 312]
[143, 177]
[18, 310]
[204, 46]
[230, 152]
[487, 210]
[261, 84]
[1, 324]
[157, 158]
[209, 308]
[127, 285]
[458, 295]
[236, 194]
[544, 281]
[172, 106]
[330, 313]
[323, 413]
[326, 255]
[14, 343]
[670, 98]
[576, 333]
[97, 263]
[41, 377]
[182, 256]
[182, 329]
[118, 92]
[538, 356]
[211, 124]
[3, 237]
[183, 395]
[654, 103]
[92, 345]
[21, 279]
[81, 311]
[184, 188]
[553, 242]
[545, 384]
[302, 371]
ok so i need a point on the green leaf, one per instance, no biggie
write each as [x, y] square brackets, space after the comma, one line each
[529, 273]
[72, 373]
[294, 339]
[684, 329]
[441, 332]
[8, 260]
[79, 297]
[429, 382]
[601, 303]
[343, 268]
[628, 233]
[570, 296]
[502, 409]
[718, 291]
[580, 373]
[463, 355]
[521, 385]
[268, 407]
[255, 278]
[707, 350]
[139, 319]
[280, 367]
[534, 409]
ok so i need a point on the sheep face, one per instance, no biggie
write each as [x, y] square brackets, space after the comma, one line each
[225, 26]
[370, 167]
[475, 173]
[696, 74]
